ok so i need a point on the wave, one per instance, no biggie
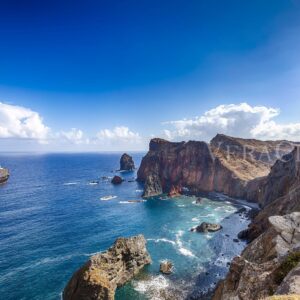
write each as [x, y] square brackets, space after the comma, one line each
[109, 197]
[181, 205]
[195, 220]
[152, 287]
[162, 240]
[132, 201]
[181, 249]
[139, 191]
[70, 183]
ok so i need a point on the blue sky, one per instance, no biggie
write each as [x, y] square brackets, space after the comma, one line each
[109, 75]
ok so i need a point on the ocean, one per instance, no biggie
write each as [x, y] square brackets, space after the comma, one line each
[52, 219]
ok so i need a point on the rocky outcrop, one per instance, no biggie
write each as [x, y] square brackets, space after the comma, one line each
[264, 266]
[205, 227]
[126, 163]
[236, 167]
[166, 267]
[117, 180]
[4, 175]
[99, 277]
[279, 194]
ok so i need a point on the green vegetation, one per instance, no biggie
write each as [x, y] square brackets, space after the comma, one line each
[287, 265]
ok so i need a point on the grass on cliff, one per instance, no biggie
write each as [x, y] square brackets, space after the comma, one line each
[286, 266]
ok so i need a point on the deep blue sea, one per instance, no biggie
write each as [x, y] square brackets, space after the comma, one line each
[52, 219]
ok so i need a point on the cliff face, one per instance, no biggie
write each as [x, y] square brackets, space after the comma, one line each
[228, 165]
[268, 265]
[4, 174]
[279, 193]
[104, 272]
[271, 262]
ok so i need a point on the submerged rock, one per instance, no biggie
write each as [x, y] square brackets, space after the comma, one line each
[4, 175]
[166, 267]
[207, 227]
[126, 163]
[99, 277]
[116, 180]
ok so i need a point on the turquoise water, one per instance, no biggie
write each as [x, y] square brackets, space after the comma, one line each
[52, 220]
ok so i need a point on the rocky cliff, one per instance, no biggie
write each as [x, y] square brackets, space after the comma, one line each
[99, 277]
[4, 175]
[233, 166]
[270, 263]
[126, 163]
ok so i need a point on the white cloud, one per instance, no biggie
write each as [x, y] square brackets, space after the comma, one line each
[73, 136]
[21, 122]
[119, 133]
[240, 120]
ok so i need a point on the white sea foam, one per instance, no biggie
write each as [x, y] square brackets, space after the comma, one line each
[181, 205]
[70, 183]
[162, 240]
[109, 197]
[152, 287]
[195, 220]
[132, 202]
[138, 191]
[93, 183]
[181, 249]
[222, 261]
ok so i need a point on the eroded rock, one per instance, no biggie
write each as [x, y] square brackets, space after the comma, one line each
[207, 227]
[99, 277]
[166, 267]
[116, 180]
[126, 163]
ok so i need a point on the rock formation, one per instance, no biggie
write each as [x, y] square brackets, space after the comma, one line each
[205, 227]
[116, 180]
[279, 194]
[166, 267]
[4, 174]
[126, 163]
[265, 263]
[99, 277]
[233, 166]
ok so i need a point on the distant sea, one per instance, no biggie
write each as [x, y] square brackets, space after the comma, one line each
[52, 219]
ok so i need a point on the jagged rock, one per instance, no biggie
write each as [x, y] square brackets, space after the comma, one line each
[4, 175]
[126, 163]
[253, 274]
[291, 283]
[166, 267]
[99, 277]
[116, 180]
[199, 200]
[228, 165]
[152, 186]
[207, 227]
[278, 199]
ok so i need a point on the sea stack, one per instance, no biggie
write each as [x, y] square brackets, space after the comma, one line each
[126, 163]
[4, 174]
[99, 277]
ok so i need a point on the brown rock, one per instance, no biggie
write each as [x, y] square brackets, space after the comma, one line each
[98, 278]
[4, 175]
[126, 163]
[116, 180]
[207, 227]
[166, 267]
[228, 165]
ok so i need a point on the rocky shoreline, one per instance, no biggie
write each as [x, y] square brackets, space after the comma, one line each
[270, 263]
[4, 175]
